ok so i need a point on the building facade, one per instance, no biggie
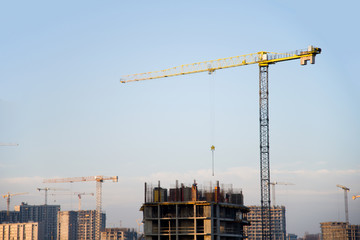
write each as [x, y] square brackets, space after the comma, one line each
[67, 225]
[21, 231]
[9, 217]
[278, 219]
[45, 214]
[192, 213]
[119, 234]
[339, 230]
[87, 222]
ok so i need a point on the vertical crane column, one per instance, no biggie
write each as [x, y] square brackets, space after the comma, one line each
[98, 221]
[264, 151]
[346, 189]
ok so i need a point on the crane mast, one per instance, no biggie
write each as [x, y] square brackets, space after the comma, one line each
[263, 59]
[346, 189]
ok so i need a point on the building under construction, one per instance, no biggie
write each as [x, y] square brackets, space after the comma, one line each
[278, 220]
[339, 231]
[194, 213]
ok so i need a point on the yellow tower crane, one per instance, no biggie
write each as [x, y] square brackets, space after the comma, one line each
[99, 180]
[263, 59]
[8, 197]
[355, 197]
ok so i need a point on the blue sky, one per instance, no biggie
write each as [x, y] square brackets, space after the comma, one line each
[61, 100]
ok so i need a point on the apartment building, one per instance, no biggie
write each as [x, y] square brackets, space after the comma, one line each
[22, 231]
[119, 234]
[278, 219]
[339, 231]
[45, 214]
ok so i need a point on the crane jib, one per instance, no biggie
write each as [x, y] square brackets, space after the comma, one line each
[261, 58]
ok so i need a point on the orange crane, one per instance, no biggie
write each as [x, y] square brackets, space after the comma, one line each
[346, 200]
[79, 196]
[273, 189]
[8, 197]
[46, 189]
[263, 59]
[355, 197]
[99, 180]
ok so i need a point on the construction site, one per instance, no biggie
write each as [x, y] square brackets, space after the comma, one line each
[191, 212]
[184, 211]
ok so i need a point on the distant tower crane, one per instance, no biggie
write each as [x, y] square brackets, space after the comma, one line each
[9, 144]
[46, 189]
[139, 223]
[99, 180]
[346, 200]
[273, 189]
[355, 197]
[263, 59]
[8, 197]
[77, 194]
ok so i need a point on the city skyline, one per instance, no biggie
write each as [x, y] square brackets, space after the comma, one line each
[62, 102]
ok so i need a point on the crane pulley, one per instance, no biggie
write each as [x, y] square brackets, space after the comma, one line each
[263, 59]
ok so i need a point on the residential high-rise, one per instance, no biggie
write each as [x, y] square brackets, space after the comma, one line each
[67, 225]
[339, 231]
[87, 222]
[46, 214]
[194, 213]
[278, 227]
[11, 217]
[21, 231]
[118, 234]
[74, 225]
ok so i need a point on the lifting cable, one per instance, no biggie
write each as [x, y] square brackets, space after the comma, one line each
[212, 116]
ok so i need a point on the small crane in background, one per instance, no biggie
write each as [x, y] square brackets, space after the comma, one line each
[78, 194]
[9, 144]
[99, 181]
[346, 189]
[355, 197]
[46, 189]
[8, 197]
[273, 189]
[139, 223]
